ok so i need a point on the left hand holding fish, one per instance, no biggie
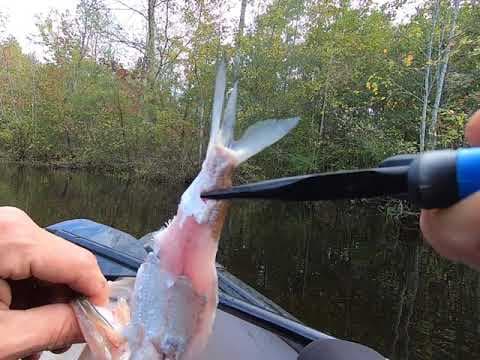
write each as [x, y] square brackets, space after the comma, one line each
[39, 273]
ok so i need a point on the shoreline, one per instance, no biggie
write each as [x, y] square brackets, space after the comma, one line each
[126, 172]
[393, 208]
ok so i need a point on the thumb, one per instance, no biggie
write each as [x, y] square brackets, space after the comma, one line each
[47, 327]
[472, 129]
[454, 232]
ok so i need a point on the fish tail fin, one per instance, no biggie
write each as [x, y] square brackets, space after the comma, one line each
[256, 138]
[261, 135]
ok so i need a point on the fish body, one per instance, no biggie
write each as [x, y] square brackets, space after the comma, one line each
[169, 310]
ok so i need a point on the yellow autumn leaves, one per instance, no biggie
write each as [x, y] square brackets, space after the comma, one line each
[407, 60]
[372, 86]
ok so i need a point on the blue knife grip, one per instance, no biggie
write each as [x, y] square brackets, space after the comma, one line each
[468, 171]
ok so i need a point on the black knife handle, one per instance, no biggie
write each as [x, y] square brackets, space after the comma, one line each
[432, 179]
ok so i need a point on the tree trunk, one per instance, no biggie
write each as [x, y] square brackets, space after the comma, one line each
[426, 94]
[201, 131]
[150, 51]
[122, 122]
[443, 72]
[325, 95]
[324, 106]
[150, 62]
[241, 27]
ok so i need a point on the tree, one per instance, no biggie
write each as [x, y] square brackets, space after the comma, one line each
[92, 20]
[444, 57]
[427, 88]
[361, 83]
[241, 27]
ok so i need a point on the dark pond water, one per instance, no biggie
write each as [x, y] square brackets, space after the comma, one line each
[343, 268]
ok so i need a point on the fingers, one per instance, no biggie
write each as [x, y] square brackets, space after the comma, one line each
[48, 327]
[59, 261]
[5, 295]
[454, 232]
[472, 130]
[27, 250]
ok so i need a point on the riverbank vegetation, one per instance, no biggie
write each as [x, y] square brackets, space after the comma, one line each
[367, 81]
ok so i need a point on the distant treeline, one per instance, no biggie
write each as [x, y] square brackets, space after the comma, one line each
[362, 80]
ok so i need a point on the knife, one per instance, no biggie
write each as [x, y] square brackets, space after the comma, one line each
[434, 179]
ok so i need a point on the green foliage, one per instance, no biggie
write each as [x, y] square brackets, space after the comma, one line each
[353, 75]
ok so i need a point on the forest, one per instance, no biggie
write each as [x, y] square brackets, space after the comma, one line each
[366, 80]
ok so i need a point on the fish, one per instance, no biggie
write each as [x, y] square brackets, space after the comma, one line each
[168, 310]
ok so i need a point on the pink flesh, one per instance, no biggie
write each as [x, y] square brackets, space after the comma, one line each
[189, 249]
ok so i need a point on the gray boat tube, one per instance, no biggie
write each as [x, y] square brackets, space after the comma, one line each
[311, 344]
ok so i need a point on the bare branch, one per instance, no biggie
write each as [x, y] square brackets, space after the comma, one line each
[119, 38]
[131, 8]
[163, 50]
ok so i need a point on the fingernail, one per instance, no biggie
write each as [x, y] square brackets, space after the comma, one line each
[104, 290]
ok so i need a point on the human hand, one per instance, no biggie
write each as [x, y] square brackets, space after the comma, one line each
[455, 232]
[39, 274]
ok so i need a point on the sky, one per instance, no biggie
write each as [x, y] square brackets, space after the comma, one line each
[21, 16]
[21, 22]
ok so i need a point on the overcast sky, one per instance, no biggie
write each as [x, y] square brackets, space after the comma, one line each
[21, 15]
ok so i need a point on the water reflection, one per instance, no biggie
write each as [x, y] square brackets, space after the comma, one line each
[343, 268]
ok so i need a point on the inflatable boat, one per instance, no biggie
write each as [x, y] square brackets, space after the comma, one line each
[248, 325]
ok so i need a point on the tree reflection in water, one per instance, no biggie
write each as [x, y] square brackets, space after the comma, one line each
[344, 268]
